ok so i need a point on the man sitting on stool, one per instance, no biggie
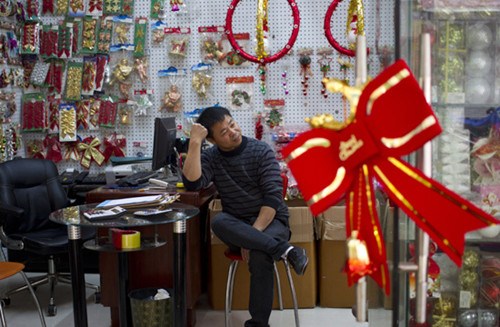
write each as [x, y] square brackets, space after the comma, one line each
[254, 219]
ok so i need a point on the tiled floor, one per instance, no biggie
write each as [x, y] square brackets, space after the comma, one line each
[22, 313]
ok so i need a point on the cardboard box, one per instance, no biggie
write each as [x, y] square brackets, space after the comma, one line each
[333, 289]
[301, 225]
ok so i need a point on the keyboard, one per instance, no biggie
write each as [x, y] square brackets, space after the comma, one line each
[138, 178]
[99, 179]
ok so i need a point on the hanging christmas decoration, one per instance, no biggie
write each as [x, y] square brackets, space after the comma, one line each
[355, 25]
[305, 68]
[336, 159]
[262, 57]
[324, 66]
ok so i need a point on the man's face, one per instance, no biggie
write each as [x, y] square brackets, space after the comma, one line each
[226, 134]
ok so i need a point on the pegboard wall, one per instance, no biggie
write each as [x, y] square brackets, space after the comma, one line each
[379, 27]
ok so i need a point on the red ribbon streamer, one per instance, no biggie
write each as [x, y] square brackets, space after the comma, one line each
[392, 119]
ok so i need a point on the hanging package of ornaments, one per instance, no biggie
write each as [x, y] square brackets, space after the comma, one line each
[201, 80]
[67, 122]
[158, 33]
[157, 10]
[94, 109]
[73, 87]
[211, 47]
[140, 33]
[143, 102]
[178, 6]
[89, 75]
[82, 114]
[172, 84]
[108, 110]
[141, 66]
[177, 41]
[231, 57]
[239, 92]
[9, 142]
[33, 114]
[7, 106]
[123, 31]
[121, 67]
[273, 112]
[125, 112]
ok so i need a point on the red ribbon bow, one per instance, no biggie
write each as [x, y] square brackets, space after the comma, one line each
[392, 119]
[113, 146]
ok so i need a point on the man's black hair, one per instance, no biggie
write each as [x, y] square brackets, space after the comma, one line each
[211, 116]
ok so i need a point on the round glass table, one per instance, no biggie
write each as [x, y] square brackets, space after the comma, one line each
[74, 218]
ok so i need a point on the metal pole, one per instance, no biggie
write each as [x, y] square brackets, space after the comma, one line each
[361, 76]
[77, 276]
[425, 164]
[180, 314]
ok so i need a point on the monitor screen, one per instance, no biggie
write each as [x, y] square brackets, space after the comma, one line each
[165, 133]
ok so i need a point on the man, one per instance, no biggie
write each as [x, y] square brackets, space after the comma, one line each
[254, 219]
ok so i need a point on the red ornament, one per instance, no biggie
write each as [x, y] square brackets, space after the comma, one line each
[268, 59]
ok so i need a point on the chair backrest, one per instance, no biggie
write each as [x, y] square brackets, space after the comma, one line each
[33, 185]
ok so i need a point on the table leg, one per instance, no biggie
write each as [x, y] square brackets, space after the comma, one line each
[122, 287]
[180, 313]
[77, 276]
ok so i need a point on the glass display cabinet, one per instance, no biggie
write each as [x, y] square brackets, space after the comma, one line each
[465, 94]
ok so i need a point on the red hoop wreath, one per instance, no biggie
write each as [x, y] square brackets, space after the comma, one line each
[328, 31]
[269, 59]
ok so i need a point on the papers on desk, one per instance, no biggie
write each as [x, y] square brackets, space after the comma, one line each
[140, 201]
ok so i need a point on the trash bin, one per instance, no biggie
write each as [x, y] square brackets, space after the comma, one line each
[148, 312]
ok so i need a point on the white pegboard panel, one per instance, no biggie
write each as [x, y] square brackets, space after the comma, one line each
[297, 106]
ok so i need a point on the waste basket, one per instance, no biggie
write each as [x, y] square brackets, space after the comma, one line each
[148, 312]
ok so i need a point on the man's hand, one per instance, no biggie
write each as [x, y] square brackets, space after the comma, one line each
[245, 254]
[192, 164]
[198, 133]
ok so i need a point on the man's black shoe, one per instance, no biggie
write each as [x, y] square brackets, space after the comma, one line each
[298, 259]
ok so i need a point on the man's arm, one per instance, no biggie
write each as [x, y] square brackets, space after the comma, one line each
[192, 164]
[266, 216]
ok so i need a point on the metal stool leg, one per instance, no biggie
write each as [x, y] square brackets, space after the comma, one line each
[3, 322]
[229, 290]
[35, 298]
[278, 286]
[294, 295]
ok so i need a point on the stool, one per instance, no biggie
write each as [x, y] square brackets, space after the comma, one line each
[235, 258]
[8, 269]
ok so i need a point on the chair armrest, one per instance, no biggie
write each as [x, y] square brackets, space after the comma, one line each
[7, 209]
[11, 210]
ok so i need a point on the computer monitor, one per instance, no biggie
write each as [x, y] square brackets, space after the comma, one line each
[165, 133]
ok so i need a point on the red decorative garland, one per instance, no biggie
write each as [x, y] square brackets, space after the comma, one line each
[328, 31]
[268, 59]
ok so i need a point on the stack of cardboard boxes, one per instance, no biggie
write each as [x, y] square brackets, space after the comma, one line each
[333, 291]
[301, 225]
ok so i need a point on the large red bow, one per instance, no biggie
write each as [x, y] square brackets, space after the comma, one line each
[392, 119]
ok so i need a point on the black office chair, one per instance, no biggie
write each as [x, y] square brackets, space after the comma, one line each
[30, 190]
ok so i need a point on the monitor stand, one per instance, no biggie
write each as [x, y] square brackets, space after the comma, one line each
[171, 177]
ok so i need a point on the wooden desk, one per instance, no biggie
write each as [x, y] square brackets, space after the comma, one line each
[154, 268]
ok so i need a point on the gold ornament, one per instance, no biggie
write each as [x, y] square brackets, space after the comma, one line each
[201, 82]
[172, 99]
[121, 72]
